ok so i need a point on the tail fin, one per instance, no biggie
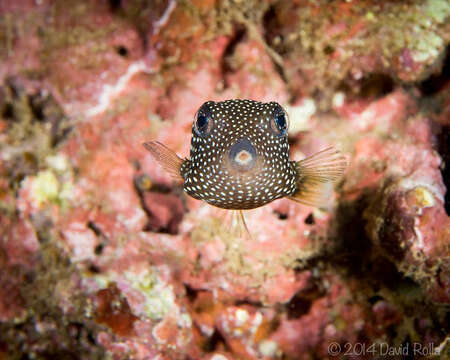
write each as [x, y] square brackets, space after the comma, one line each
[316, 176]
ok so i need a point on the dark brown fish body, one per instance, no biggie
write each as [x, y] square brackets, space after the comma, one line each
[242, 161]
[239, 158]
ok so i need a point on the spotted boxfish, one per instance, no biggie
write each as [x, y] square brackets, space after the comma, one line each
[239, 158]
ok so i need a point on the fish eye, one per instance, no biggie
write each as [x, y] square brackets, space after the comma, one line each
[279, 123]
[203, 123]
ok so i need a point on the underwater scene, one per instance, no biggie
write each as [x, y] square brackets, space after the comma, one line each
[224, 179]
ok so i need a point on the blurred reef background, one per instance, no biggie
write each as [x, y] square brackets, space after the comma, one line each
[102, 257]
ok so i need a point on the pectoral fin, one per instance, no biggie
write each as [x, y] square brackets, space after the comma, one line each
[316, 176]
[167, 158]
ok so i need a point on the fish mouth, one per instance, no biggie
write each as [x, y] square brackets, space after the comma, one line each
[242, 156]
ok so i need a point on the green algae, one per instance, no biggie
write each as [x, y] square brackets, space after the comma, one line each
[438, 10]
[55, 312]
[411, 29]
[36, 125]
[231, 12]
[159, 298]
[382, 35]
[47, 188]
[7, 36]
[74, 28]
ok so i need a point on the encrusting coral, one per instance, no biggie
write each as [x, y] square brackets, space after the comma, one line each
[101, 253]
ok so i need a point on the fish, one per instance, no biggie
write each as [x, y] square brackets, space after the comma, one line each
[239, 159]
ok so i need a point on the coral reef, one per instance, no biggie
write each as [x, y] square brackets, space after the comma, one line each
[103, 256]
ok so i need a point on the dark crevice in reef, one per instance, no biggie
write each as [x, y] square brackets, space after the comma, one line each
[122, 51]
[407, 344]
[281, 215]
[75, 339]
[373, 86]
[151, 227]
[143, 184]
[446, 329]
[226, 65]
[434, 102]
[7, 110]
[354, 252]
[215, 341]
[94, 269]
[98, 250]
[271, 28]
[191, 293]
[47, 110]
[309, 220]
[301, 302]
[353, 247]
[435, 83]
[241, 302]
[93, 226]
[355, 256]
[374, 299]
[376, 85]
[444, 152]
[382, 273]
[115, 5]
[43, 225]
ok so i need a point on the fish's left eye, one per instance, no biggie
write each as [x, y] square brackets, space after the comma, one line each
[279, 123]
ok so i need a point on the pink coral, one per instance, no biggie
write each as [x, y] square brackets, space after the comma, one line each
[100, 252]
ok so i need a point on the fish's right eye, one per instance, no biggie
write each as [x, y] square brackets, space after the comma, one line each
[203, 123]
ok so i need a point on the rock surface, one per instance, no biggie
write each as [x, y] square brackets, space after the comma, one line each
[102, 255]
